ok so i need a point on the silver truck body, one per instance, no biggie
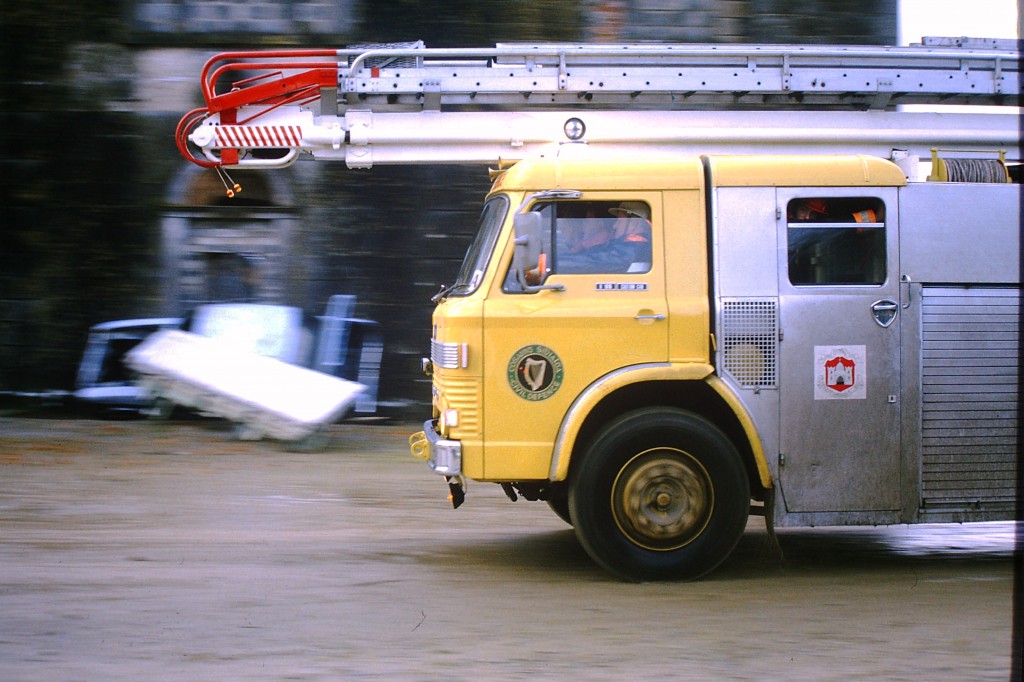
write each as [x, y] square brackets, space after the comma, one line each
[927, 431]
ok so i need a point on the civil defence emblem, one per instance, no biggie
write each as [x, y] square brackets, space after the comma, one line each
[535, 372]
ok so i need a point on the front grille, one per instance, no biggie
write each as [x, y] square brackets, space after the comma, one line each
[462, 394]
[449, 355]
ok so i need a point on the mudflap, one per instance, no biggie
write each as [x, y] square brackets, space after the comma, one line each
[456, 490]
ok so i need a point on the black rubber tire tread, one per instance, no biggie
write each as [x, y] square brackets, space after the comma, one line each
[619, 442]
[560, 505]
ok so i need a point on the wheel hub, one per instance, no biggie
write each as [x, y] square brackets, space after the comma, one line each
[662, 499]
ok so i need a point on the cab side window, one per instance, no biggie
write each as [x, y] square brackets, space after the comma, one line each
[592, 237]
[600, 237]
[836, 241]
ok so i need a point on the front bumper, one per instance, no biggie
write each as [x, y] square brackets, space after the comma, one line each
[444, 456]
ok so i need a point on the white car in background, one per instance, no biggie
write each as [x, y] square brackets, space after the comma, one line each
[335, 343]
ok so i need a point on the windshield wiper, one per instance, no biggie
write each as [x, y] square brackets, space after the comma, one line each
[446, 291]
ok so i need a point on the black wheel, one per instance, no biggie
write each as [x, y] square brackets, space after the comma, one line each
[660, 494]
[160, 410]
[317, 441]
[559, 504]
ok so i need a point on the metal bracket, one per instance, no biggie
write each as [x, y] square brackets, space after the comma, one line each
[884, 94]
[432, 95]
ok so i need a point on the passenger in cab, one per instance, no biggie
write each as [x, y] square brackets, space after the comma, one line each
[611, 246]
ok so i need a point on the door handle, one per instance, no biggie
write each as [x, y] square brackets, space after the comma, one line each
[884, 312]
[652, 316]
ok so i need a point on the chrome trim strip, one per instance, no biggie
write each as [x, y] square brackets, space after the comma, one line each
[449, 355]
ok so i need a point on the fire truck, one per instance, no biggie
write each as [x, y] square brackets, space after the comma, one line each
[709, 281]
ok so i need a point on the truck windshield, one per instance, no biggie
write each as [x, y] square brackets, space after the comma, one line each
[479, 254]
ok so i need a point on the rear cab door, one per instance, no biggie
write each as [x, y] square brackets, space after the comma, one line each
[840, 350]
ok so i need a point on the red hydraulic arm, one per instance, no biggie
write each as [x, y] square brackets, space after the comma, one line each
[271, 88]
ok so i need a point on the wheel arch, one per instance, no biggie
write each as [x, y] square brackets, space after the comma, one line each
[706, 396]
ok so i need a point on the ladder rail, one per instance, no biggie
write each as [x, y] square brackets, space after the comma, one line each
[600, 54]
[678, 75]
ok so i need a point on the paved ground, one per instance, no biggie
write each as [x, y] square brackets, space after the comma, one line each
[137, 550]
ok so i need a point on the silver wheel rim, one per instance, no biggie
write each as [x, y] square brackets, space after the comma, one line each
[662, 499]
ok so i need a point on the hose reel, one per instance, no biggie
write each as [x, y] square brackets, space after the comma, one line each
[968, 169]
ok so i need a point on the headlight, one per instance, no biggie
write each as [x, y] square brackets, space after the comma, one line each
[448, 419]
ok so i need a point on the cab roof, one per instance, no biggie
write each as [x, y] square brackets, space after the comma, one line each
[599, 173]
[602, 173]
[804, 171]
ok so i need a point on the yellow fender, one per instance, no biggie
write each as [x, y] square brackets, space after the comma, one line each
[596, 392]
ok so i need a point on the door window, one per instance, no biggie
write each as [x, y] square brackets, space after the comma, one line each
[592, 237]
[836, 241]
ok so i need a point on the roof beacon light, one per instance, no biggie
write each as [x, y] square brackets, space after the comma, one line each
[575, 129]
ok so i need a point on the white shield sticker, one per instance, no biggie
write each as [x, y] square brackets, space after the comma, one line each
[840, 372]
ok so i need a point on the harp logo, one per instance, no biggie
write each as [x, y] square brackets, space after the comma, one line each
[535, 372]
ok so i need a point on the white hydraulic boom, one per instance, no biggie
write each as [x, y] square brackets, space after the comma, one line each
[412, 104]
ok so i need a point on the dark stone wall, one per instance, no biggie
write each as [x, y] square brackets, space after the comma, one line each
[392, 235]
[77, 244]
[867, 22]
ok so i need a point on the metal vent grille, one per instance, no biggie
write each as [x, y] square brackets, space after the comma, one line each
[749, 341]
[969, 378]
[449, 355]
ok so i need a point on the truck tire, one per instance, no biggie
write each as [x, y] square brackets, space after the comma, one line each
[560, 505]
[660, 494]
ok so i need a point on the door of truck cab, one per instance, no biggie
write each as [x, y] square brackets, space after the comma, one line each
[840, 349]
[542, 348]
